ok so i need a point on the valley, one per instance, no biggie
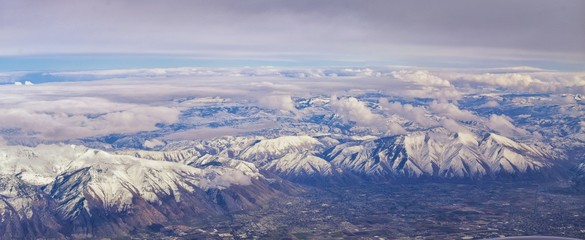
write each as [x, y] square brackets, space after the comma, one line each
[405, 210]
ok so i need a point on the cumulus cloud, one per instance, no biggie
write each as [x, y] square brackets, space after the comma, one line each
[490, 104]
[232, 177]
[351, 109]
[420, 77]
[421, 91]
[419, 115]
[518, 81]
[452, 111]
[533, 81]
[412, 113]
[503, 125]
[354, 110]
[424, 84]
[279, 102]
[507, 80]
[453, 126]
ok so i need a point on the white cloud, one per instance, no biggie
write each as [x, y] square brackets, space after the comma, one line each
[415, 114]
[539, 81]
[279, 102]
[490, 104]
[453, 126]
[83, 117]
[354, 110]
[232, 177]
[424, 84]
[446, 111]
[506, 80]
[504, 125]
[452, 111]
[420, 77]
[351, 109]
[439, 93]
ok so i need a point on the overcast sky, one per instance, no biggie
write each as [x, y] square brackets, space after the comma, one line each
[386, 31]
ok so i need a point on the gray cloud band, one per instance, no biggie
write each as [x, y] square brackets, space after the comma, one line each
[347, 30]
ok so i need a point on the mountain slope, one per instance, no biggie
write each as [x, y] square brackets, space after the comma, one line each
[268, 149]
[431, 153]
[92, 192]
[439, 155]
[300, 165]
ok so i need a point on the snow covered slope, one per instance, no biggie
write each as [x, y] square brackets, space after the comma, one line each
[82, 184]
[287, 155]
[301, 165]
[436, 152]
[440, 154]
[268, 149]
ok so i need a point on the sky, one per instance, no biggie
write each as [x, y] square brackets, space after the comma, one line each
[73, 35]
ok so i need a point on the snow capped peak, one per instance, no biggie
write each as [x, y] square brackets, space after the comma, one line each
[305, 164]
[502, 140]
[278, 147]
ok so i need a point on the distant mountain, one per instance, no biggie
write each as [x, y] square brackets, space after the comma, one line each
[432, 153]
[269, 149]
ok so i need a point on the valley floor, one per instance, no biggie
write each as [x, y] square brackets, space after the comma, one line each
[426, 210]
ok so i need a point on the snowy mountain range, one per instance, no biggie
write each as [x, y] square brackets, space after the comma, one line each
[436, 153]
[52, 190]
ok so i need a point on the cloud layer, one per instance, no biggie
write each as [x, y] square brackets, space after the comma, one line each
[386, 99]
[83, 117]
